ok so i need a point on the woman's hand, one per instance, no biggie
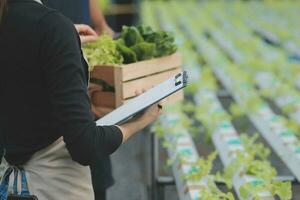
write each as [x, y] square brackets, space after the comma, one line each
[94, 88]
[151, 114]
[139, 123]
[86, 33]
[97, 110]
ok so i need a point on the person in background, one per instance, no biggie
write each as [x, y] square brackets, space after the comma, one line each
[86, 13]
[82, 12]
[98, 21]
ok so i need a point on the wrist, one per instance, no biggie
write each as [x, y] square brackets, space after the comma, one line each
[146, 120]
[102, 26]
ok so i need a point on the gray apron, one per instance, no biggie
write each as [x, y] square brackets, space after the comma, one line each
[52, 175]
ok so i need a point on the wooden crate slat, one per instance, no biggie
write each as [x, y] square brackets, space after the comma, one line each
[101, 111]
[104, 99]
[118, 73]
[149, 67]
[128, 78]
[105, 73]
[146, 82]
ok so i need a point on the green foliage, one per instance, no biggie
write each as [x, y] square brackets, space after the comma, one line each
[208, 81]
[158, 129]
[164, 41]
[210, 120]
[214, 193]
[293, 125]
[131, 36]
[188, 107]
[282, 189]
[252, 103]
[253, 189]
[192, 88]
[254, 148]
[142, 43]
[236, 110]
[128, 54]
[253, 162]
[144, 50]
[102, 52]
[267, 93]
[202, 167]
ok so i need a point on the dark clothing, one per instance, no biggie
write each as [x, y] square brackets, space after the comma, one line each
[43, 87]
[101, 170]
[100, 194]
[102, 177]
[76, 10]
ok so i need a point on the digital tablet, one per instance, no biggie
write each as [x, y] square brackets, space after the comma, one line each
[140, 103]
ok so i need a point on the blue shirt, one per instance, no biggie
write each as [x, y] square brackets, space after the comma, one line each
[75, 10]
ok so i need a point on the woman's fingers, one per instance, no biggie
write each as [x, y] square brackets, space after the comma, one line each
[88, 38]
[94, 88]
[139, 92]
[86, 33]
[83, 29]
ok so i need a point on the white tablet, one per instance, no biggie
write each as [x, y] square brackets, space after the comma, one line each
[140, 103]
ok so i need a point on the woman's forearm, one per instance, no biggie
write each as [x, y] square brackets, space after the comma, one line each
[97, 16]
[132, 127]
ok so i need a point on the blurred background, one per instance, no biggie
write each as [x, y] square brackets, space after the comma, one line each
[261, 39]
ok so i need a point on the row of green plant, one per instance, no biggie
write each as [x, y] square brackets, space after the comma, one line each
[257, 64]
[172, 128]
[200, 170]
[249, 98]
[247, 189]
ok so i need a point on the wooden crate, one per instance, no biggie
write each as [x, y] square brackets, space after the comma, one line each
[136, 76]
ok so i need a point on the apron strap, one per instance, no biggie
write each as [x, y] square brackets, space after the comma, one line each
[15, 186]
[4, 184]
[24, 188]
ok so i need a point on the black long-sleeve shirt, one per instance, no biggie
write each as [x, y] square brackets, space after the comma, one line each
[43, 87]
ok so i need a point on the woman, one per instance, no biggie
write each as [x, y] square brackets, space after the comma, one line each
[43, 73]
[84, 13]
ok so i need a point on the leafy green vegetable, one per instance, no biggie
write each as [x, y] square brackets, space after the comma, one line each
[131, 36]
[144, 50]
[214, 193]
[142, 43]
[102, 52]
[128, 54]
[164, 41]
[202, 167]
[145, 31]
[254, 148]
[236, 110]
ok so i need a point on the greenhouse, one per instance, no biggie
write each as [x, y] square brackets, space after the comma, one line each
[232, 132]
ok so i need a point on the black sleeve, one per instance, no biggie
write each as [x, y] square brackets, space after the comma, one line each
[61, 61]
